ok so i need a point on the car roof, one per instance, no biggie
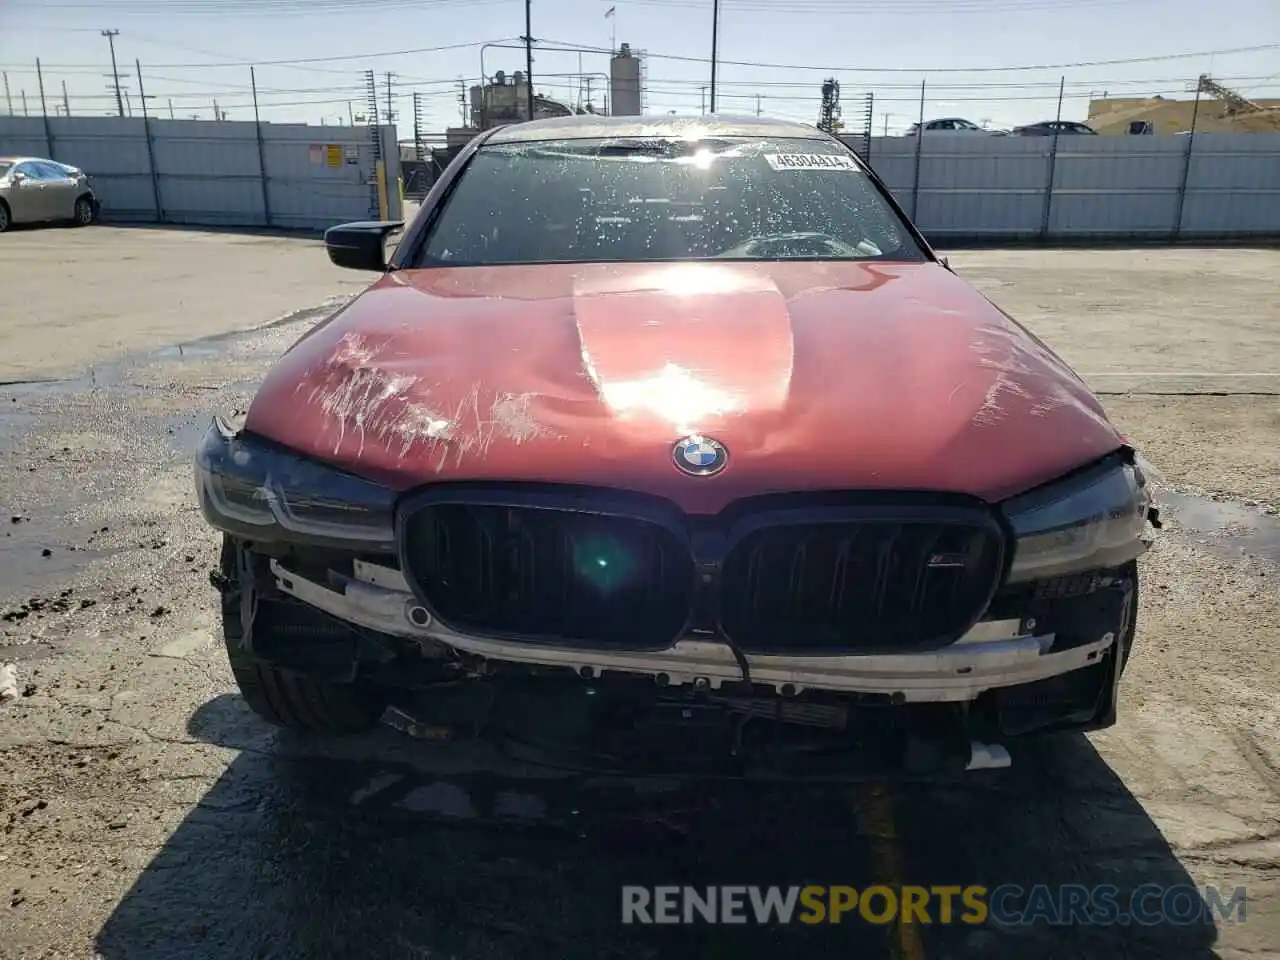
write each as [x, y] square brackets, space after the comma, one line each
[590, 126]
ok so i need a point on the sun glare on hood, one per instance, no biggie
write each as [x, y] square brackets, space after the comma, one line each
[674, 394]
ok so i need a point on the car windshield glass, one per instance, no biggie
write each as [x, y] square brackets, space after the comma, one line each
[627, 199]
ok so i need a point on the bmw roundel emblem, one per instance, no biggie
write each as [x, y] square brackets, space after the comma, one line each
[700, 456]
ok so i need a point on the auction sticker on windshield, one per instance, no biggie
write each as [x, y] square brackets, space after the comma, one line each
[810, 161]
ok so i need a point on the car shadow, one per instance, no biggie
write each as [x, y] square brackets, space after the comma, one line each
[385, 846]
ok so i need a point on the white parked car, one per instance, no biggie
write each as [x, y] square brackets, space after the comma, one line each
[38, 190]
[951, 125]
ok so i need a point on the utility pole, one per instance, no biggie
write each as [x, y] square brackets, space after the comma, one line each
[702, 99]
[886, 125]
[66, 101]
[528, 50]
[757, 104]
[391, 116]
[8, 97]
[715, 45]
[170, 108]
[351, 116]
[115, 71]
[25, 111]
[44, 107]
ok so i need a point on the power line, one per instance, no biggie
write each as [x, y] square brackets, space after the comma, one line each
[560, 46]
[302, 61]
[677, 89]
[115, 71]
[268, 8]
[1254, 80]
[852, 8]
[570, 48]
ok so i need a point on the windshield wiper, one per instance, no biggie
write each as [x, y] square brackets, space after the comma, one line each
[660, 148]
[646, 148]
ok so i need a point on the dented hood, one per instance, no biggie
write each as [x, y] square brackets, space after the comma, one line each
[812, 375]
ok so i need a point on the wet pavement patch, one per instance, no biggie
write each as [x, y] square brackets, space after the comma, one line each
[115, 374]
[1227, 528]
[196, 350]
[14, 423]
[35, 554]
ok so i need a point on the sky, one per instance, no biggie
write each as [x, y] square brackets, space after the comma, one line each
[995, 62]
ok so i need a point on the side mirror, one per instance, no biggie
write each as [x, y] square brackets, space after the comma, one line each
[17, 176]
[361, 245]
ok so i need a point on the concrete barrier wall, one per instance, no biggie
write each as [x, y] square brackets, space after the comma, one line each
[229, 173]
[202, 172]
[1206, 186]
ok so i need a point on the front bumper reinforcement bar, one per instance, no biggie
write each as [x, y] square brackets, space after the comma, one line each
[994, 654]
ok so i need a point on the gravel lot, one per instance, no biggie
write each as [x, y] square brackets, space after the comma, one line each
[147, 814]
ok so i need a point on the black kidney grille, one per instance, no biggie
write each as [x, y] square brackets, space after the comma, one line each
[550, 574]
[861, 585]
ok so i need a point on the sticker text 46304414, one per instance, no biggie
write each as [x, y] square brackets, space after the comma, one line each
[810, 161]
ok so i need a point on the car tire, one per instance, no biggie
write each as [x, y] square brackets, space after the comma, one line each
[84, 212]
[287, 698]
[6, 219]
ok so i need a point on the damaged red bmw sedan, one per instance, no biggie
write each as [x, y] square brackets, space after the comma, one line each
[671, 445]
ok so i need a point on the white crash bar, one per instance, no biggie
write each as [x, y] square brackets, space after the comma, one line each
[994, 654]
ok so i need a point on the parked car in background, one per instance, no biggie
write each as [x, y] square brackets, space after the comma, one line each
[1047, 128]
[38, 190]
[678, 449]
[951, 125]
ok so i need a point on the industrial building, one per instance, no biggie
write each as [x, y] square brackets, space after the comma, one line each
[505, 99]
[1219, 109]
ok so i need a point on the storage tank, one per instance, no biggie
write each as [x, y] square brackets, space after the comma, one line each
[625, 86]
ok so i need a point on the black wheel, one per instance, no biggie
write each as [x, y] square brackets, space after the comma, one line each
[282, 697]
[84, 212]
[5, 218]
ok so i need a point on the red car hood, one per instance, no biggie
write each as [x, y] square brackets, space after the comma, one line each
[813, 376]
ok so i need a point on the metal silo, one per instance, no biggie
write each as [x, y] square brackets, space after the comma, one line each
[625, 83]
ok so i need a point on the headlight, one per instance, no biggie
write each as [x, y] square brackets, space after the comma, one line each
[254, 489]
[1094, 520]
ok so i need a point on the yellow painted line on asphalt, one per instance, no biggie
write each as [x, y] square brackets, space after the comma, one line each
[886, 856]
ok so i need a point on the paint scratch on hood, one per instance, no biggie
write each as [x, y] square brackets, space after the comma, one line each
[474, 427]
[364, 399]
[1020, 373]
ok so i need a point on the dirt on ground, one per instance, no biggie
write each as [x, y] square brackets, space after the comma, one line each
[146, 813]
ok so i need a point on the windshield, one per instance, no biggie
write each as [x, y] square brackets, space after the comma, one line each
[635, 200]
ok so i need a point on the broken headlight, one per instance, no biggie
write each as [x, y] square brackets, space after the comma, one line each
[1093, 520]
[252, 488]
